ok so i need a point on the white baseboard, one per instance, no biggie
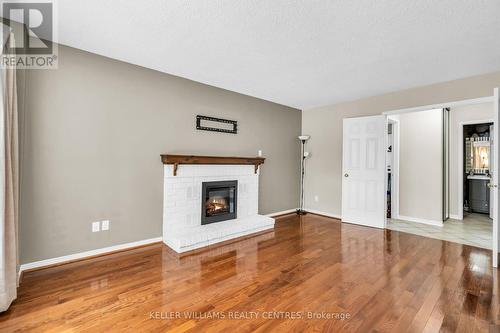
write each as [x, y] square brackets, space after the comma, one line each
[419, 220]
[456, 217]
[83, 255]
[282, 212]
[335, 216]
[19, 274]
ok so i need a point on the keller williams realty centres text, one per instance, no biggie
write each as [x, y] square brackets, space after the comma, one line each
[245, 315]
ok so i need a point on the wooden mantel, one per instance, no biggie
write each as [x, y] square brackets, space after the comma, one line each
[190, 159]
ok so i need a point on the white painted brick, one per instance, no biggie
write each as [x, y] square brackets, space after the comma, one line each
[182, 203]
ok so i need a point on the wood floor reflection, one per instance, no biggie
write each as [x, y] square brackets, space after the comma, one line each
[310, 274]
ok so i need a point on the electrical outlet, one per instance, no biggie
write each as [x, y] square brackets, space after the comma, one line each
[316, 198]
[105, 225]
[96, 226]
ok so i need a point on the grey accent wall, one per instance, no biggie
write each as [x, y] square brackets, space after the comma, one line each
[93, 132]
[324, 124]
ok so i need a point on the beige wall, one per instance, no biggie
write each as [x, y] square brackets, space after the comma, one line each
[324, 124]
[421, 165]
[93, 133]
[459, 115]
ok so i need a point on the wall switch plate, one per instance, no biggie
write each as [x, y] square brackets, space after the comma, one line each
[105, 225]
[316, 198]
[95, 226]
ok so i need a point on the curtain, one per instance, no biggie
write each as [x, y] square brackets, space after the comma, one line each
[9, 186]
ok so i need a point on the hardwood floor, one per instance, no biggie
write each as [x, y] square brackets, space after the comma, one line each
[367, 279]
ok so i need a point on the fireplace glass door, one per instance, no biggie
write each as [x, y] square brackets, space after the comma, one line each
[219, 201]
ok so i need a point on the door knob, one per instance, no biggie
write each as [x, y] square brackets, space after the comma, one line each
[346, 175]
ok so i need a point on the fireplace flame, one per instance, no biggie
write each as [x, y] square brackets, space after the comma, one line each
[216, 205]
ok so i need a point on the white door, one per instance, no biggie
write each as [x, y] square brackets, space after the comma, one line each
[496, 169]
[364, 171]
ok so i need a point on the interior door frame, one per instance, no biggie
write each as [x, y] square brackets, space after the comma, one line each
[394, 169]
[460, 179]
[494, 183]
[445, 149]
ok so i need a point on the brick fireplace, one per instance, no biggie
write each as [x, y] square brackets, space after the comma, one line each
[208, 200]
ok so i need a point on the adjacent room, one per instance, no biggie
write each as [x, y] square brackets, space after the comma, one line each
[424, 196]
[249, 166]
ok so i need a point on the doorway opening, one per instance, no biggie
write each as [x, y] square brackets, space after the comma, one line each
[414, 167]
[453, 166]
[476, 165]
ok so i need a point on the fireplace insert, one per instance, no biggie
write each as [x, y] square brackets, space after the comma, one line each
[219, 201]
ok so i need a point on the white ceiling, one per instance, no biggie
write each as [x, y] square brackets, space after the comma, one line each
[299, 53]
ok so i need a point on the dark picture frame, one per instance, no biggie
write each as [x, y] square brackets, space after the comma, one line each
[205, 123]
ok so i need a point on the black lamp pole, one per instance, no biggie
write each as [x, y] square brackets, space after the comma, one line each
[303, 139]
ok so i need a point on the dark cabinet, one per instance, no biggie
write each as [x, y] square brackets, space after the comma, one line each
[479, 195]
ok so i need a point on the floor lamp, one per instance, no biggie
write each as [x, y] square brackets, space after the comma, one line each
[304, 154]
